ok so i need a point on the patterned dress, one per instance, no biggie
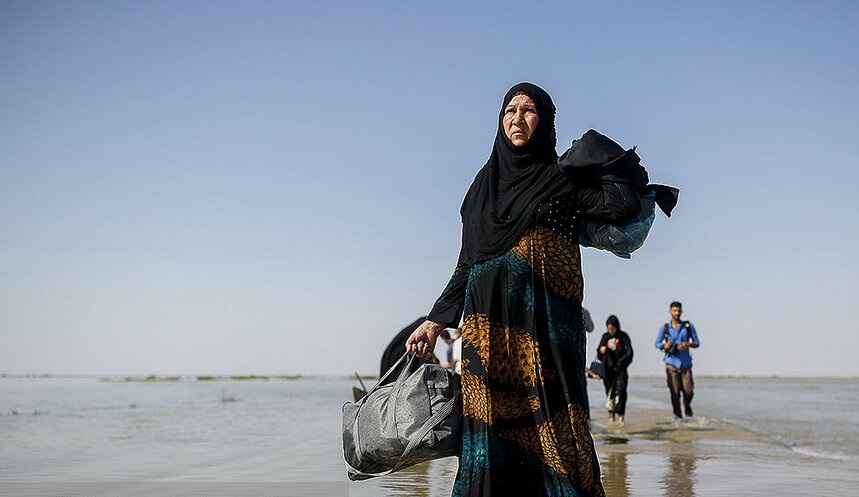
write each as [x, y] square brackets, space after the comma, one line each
[525, 405]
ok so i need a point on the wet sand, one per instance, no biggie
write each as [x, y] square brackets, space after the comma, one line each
[653, 456]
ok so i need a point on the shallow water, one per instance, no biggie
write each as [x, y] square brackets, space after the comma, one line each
[786, 437]
[57, 431]
[815, 417]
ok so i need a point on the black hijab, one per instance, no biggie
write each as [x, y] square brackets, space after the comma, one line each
[512, 184]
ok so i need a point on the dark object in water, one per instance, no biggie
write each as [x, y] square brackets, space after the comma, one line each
[358, 393]
[360, 381]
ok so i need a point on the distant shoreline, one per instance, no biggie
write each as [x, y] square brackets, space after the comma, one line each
[753, 377]
[131, 378]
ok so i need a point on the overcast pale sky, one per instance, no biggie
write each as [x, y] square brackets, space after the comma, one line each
[274, 187]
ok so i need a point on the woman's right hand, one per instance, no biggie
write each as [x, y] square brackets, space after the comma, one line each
[422, 341]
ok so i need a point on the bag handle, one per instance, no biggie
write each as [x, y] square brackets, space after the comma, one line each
[401, 376]
[400, 379]
[398, 385]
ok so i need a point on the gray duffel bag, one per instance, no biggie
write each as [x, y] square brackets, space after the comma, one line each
[394, 426]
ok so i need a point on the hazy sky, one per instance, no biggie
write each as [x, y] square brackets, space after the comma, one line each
[274, 187]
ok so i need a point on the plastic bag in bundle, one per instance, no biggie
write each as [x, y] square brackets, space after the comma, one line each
[621, 240]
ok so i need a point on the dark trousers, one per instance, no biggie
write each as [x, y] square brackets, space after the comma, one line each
[615, 383]
[680, 380]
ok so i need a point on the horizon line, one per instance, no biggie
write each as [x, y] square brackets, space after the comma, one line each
[204, 377]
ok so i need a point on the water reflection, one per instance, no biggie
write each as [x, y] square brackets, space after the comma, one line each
[669, 467]
[679, 479]
[410, 481]
[616, 475]
[430, 479]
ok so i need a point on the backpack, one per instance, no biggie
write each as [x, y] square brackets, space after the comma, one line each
[683, 324]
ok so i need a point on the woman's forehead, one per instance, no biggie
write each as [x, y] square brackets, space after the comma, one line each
[521, 98]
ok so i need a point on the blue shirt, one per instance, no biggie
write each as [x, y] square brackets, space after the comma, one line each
[682, 358]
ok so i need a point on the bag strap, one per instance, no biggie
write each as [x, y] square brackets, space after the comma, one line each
[401, 376]
[416, 439]
[400, 379]
[398, 385]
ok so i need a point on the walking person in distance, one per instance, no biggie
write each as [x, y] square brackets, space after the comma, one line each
[615, 352]
[675, 339]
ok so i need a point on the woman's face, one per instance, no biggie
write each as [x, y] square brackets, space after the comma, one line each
[612, 330]
[520, 119]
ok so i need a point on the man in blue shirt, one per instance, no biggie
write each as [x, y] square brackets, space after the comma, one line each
[675, 339]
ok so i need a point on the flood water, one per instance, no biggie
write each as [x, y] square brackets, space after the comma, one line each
[221, 437]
